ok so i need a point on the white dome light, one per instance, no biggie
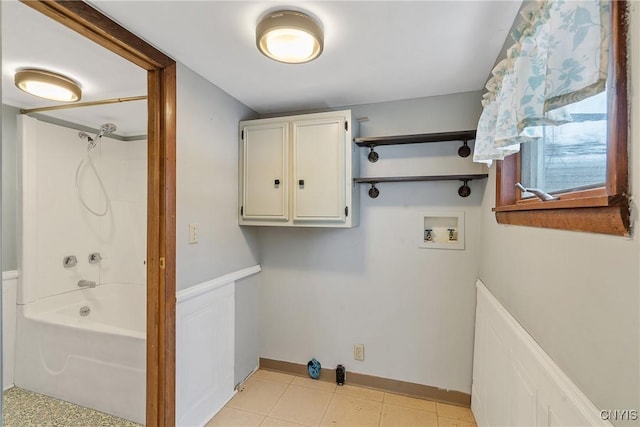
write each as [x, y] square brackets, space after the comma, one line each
[48, 85]
[290, 37]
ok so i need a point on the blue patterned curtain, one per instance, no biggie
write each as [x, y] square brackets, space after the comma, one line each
[560, 56]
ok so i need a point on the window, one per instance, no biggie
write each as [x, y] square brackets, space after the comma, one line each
[572, 156]
[590, 180]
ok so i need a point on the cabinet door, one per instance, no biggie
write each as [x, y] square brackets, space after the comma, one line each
[266, 172]
[319, 170]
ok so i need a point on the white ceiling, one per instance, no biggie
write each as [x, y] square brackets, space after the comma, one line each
[374, 51]
[31, 40]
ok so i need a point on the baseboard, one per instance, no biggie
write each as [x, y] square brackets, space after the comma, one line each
[378, 383]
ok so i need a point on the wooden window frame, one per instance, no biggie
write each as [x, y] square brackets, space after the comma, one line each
[600, 210]
[161, 191]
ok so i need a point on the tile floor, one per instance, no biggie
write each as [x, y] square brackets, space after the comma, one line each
[278, 400]
[22, 408]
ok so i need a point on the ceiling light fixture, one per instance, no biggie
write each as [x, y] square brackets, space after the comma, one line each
[290, 37]
[48, 85]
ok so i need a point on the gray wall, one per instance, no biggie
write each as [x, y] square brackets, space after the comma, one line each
[207, 182]
[247, 315]
[324, 290]
[9, 187]
[577, 294]
[207, 192]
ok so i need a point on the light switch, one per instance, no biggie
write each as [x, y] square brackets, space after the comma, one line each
[193, 233]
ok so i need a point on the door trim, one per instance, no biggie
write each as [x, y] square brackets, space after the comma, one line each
[161, 191]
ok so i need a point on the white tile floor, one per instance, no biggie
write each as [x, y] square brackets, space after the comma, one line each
[279, 400]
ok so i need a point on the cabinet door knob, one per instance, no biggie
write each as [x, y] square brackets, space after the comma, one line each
[301, 182]
[276, 182]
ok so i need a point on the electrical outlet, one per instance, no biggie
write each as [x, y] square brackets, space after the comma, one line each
[193, 233]
[358, 351]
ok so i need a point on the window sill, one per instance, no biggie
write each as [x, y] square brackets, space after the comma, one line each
[574, 200]
[612, 218]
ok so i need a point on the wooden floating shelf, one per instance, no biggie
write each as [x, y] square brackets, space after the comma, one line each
[375, 180]
[463, 191]
[422, 138]
[465, 135]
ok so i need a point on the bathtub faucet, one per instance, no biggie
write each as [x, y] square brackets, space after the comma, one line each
[86, 284]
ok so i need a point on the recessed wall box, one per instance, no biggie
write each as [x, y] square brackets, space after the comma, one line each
[441, 230]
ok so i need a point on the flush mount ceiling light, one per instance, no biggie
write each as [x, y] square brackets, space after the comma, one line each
[48, 85]
[290, 37]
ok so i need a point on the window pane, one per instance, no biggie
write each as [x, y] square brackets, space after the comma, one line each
[572, 156]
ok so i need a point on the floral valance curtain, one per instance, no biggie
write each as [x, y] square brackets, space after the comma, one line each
[560, 56]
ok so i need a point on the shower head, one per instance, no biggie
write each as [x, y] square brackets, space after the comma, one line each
[107, 129]
[84, 135]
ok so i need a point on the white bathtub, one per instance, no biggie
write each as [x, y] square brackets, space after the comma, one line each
[98, 360]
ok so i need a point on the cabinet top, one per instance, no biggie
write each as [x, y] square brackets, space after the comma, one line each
[339, 113]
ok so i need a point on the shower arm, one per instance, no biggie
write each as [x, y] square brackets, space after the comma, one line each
[83, 104]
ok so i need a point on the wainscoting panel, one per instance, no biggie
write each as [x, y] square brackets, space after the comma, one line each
[515, 383]
[9, 296]
[205, 334]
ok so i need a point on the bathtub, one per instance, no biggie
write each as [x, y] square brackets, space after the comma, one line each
[96, 360]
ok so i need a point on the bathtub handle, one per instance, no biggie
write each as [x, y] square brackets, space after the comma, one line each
[69, 261]
[95, 257]
[86, 284]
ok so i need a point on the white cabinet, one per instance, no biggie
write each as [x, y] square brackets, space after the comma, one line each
[298, 171]
[266, 171]
[319, 169]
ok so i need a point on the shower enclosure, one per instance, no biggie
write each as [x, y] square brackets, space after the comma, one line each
[82, 295]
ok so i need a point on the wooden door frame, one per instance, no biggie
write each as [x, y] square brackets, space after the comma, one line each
[161, 191]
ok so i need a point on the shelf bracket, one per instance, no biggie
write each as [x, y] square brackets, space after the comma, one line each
[373, 191]
[373, 156]
[464, 150]
[464, 190]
